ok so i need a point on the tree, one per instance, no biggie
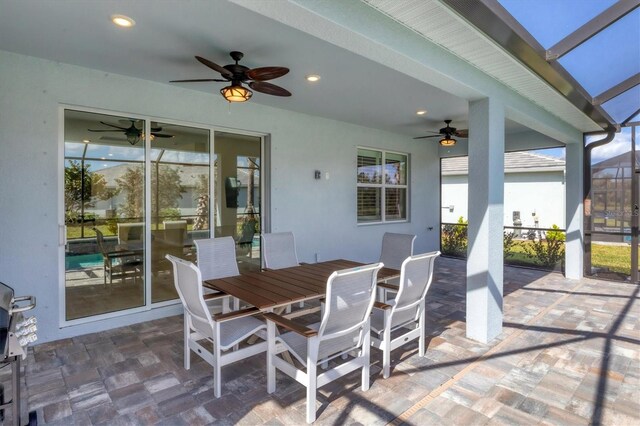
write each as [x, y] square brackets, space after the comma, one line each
[166, 190]
[131, 183]
[82, 187]
[202, 206]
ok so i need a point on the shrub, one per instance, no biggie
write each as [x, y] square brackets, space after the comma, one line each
[548, 250]
[508, 244]
[454, 239]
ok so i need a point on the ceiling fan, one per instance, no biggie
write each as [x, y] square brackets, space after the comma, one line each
[447, 133]
[132, 133]
[238, 74]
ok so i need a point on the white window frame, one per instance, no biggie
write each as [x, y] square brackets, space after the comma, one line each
[383, 186]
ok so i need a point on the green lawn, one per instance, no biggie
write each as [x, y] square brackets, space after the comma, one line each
[610, 257]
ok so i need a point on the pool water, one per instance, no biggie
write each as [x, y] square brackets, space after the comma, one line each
[82, 261]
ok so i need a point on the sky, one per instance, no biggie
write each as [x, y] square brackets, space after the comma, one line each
[608, 58]
[619, 145]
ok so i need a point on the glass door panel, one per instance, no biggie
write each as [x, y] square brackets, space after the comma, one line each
[104, 213]
[237, 195]
[180, 169]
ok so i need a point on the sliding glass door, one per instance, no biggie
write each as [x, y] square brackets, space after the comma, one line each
[238, 195]
[179, 200]
[127, 207]
[104, 208]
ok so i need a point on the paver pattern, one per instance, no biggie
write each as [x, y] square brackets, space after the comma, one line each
[579, 363]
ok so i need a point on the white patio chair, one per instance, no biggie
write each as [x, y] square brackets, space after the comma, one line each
[279, 251]
[216, 258]
[405, 311]
[222, 331]
[344, 330]
[395, 249]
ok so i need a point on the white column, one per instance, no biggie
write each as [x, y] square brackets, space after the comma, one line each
[574, 255]
[486, 196]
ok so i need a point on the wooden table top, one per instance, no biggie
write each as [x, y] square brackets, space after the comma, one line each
[274, 288]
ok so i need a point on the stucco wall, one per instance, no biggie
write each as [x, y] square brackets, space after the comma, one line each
[321, 213]
[539, 192]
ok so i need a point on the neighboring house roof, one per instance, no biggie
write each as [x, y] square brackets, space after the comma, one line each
[514, 162]
[619, 161]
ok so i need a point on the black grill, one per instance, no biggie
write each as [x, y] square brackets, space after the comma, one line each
[16, 332]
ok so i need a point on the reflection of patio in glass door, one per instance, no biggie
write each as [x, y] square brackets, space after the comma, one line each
[104, 213]
[238, 195]
[180, 170]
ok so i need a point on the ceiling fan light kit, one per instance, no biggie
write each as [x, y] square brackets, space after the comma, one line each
[236, 93]
[447, 141]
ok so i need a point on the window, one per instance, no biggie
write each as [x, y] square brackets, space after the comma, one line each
[382, 186]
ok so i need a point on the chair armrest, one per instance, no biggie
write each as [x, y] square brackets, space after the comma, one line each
[236, 314]
[214, 296]
[389, 286]
[290, 325]
[117, 253]
[381, 305]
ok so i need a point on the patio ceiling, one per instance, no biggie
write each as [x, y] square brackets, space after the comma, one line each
[167, 35]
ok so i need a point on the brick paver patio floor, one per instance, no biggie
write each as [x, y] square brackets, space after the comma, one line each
[569, 354]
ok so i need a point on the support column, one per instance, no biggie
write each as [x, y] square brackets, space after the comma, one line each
[486, 196]
[574, 255]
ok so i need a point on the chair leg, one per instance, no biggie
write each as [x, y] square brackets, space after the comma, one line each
[301, 305]
[217, 379]
[271, 353]
[366, 355]
[422, 327]
[312, 378]
[386, 346]
[187, 350]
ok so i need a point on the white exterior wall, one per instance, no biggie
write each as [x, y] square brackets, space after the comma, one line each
[322, 214]
[542, 192]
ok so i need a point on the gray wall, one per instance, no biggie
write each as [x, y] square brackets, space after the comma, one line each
[321, 213]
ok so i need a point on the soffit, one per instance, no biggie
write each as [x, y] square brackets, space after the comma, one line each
[444, 27]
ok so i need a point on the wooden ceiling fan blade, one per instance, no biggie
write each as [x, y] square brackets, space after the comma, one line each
[427, 137]
[269, 89]
[225, 72]
[92, 130]
[463, 133]
[266, 73]
[197, 80]
[113, 125]
[161, 135]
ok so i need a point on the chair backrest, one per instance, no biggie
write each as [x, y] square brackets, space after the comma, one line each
[188, 282]
[175, 231]
[100, 241]
[279, 250]
[130, 233]
[349, 300]
[217, 257]
[396, 248]
[416, 275]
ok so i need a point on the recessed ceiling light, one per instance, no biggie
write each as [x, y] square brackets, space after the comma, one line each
[313, 78]
[122, 21]
[421, 112]
[86, 140]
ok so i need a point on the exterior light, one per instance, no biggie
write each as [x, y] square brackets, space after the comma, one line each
[313, 78]
[447, 141]
[122, 21]
[421, 112]
[236, 93]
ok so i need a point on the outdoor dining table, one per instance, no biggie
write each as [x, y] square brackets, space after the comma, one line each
[269, 290]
